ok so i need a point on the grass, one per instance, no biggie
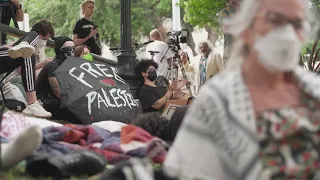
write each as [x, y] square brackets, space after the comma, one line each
[19, 173]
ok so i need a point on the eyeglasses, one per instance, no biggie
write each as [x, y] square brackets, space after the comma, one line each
[278, 20]
[68, 49]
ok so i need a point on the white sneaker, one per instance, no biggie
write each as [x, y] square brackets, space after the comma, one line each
[36, 110]
[23, 50]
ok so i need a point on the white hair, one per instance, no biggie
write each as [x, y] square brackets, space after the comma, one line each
[238, 24]
[204, 41]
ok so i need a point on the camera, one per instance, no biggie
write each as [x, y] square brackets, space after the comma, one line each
[177, 37]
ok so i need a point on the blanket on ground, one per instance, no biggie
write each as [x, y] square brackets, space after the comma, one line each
[132, 141]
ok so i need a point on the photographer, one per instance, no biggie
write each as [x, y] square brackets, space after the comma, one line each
[152, 97]
[6, 15]
[164, 54]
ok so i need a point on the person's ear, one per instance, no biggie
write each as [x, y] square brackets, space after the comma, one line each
[144, 74]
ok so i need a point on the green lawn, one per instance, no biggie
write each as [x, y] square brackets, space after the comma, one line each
[19, 173]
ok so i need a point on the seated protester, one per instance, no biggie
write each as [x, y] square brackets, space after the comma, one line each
[154, 124]
[153, 98]
[44, 30]
[83, 52]
[21, 55]
[47, 85]
[159, 126]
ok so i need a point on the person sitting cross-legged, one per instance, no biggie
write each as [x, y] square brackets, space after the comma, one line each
[152, 97]
[21, 55]
[48, 89]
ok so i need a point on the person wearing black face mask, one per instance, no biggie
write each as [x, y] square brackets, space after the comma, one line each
[47, 85]
[152, 98]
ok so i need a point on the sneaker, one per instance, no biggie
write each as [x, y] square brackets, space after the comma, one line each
[36, 110]
[23, 50]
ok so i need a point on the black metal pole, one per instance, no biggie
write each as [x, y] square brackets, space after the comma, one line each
[127, 59]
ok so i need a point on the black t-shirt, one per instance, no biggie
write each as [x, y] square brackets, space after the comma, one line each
[149, 95]
[82, 29]
[6, 18]
[43, 86]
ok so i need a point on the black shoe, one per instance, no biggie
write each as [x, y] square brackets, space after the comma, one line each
[81, 163]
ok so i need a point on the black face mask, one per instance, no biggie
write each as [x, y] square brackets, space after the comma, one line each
[152, 75]
[65, 52]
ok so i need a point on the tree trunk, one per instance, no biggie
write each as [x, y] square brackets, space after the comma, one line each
[190, 42]
[162, 31]
[158, 24]
[190, 29]
[212, 36]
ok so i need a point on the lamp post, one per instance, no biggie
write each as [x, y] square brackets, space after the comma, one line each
[127, 58]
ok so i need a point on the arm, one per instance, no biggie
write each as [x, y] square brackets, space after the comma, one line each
[77, 41]
[188, 67]
[185, 60]
[19, 15]
[41, 65]
[216, 65]
[19, 12]
[162, 101]
[55, 86]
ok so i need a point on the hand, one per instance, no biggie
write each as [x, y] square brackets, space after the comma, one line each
[184, 57]
[173, 86]
[93, 32]
[49, 59]
[16, 3]
[182, 83]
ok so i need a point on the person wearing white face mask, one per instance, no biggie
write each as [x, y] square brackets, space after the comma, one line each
[260, 118]
[44, 30]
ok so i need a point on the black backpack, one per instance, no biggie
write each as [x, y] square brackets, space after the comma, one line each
[12, 104]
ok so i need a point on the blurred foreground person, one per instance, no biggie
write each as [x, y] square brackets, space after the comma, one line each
[227, 13]
[261, 118]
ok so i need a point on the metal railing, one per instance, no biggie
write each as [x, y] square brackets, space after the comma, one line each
[19, 33]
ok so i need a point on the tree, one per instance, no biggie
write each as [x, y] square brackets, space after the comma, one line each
[146, 15]
[314, 50]
[204, 14]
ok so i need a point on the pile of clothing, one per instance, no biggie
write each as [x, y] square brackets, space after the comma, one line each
[75, 150]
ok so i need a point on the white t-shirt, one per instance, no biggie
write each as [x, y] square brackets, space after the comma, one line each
[162, 48]
[40, 54]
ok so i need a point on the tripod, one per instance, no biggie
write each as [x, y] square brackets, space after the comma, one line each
[12, 15]
[173, 71]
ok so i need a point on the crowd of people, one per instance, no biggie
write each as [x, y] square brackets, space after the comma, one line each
[31, 78]
[256, 111]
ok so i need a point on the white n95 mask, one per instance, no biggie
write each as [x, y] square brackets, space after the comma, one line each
[279, 49]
